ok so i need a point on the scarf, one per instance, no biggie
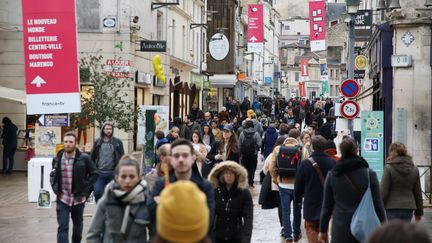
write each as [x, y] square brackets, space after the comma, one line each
[345, 165]
[332, 153]
[136, 195]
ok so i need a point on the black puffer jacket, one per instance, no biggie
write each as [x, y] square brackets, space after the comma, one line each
[234, 209]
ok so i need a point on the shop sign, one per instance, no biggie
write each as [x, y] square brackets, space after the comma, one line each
[219, 46]
[118, 68]
[372, 140]
[255, 28]
[153, 46]
[359, 74]
[268, 80]
[50, 54]
[317, 25]
[54, 120]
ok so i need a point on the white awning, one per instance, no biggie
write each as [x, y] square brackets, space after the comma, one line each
[15, 95]
[223, 80]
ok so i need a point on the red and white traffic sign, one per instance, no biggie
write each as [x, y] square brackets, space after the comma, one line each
[350, 88]
[255, 28]
[349, 109]
[50, 53]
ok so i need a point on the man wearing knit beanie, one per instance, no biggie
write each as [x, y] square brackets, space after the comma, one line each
[183, 215]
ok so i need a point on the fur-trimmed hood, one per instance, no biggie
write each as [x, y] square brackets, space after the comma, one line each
[240, 171]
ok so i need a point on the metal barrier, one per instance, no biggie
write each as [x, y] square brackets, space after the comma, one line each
[427, 168]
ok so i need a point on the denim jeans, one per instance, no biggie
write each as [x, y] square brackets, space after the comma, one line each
[76, 212]
[103, 179]
[286, 197]
[402, 214]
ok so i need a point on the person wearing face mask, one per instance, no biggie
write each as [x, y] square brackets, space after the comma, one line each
[121, 214]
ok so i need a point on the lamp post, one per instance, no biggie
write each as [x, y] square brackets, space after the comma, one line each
[352, 9]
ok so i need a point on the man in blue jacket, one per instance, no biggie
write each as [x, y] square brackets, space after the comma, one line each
[309, 184]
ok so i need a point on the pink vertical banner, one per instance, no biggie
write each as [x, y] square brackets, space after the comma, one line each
[255, 28]
[317, 25]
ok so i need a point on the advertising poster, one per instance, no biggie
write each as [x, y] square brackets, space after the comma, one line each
[255, 28]
[372, 140]
[161, 120]
[317, 25]
[46, 139]
[50, 54]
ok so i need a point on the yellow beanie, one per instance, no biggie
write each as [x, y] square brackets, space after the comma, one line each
[250, 113]
[182, 214]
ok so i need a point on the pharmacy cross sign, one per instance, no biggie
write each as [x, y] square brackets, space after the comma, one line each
[51, 59]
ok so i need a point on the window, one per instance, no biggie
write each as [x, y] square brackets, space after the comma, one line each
[331, 73]
[336, 74]
[183, 41]
[159, 26]
[287, 27]
[297, 76]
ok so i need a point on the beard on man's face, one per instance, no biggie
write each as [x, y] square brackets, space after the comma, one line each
[69, 149]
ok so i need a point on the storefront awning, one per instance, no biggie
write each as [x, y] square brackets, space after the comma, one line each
[13, 95]
[223, 80]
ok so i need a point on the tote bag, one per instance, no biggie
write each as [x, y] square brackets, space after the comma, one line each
[365, 220]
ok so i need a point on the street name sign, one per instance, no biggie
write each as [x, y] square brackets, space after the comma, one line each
[350, 88]
[401, 61]
[255, 28]
[349, 109]
[50, 53]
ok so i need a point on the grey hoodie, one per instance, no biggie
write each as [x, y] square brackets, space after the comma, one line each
[257, 138]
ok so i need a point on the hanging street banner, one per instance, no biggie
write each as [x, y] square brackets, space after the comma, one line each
[363, 25]
[50, 54]
[255, 28]
[304, 67]
[372, 140]
[317, 25]
[302, 89]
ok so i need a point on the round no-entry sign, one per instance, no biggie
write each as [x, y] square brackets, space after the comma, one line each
[350, 109]
[350, 88]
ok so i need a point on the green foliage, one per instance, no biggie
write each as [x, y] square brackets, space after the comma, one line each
[105, 99]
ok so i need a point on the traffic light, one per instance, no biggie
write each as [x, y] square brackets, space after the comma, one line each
[157, 67]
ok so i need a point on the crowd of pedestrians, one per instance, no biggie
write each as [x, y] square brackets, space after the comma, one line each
[200, 188]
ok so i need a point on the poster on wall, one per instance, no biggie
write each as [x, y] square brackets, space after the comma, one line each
[46, 139]
[161, 120]
[372, 140]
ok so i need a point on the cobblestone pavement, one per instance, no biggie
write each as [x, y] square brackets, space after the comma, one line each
[22, 222]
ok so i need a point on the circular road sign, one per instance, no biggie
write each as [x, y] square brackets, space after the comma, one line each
[350, 109]
[360, 62]
[350, 88]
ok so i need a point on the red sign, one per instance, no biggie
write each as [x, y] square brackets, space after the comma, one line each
[50, 53]
[317, 25]
[304, 67]
[255, 28]
[350, 109]
[350, 88]
[302, 89]
[118, 68]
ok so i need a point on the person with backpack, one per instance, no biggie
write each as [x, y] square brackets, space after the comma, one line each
[309, 184]
[283, 168]
[250, 142]
[344, 188]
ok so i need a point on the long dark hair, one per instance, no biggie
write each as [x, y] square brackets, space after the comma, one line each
[232, 143]
[199, 137]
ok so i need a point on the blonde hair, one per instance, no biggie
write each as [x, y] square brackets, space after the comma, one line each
[398, 149]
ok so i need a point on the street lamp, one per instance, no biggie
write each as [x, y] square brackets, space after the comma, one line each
[352, 9]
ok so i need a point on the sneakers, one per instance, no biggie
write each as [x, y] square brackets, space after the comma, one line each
[282, 233]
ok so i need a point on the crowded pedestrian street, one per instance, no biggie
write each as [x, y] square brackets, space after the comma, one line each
[216, 121]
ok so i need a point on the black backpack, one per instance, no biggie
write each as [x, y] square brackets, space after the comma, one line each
[287, 160]
[248, 146]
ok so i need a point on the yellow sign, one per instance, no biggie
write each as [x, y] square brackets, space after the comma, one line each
[360, 62]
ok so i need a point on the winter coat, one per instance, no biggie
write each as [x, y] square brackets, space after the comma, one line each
[107, 223]
[256, 137]
[9, 137]
[83, 174]
[326, 131]
[400, 185]
[231, 155]
[194, 127]
[308, 185]
[234, 208]
[341, 200]
[290, 142]
[269, 140]
[115, 142]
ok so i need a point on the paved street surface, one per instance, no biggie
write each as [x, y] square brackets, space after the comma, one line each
[21, 221]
